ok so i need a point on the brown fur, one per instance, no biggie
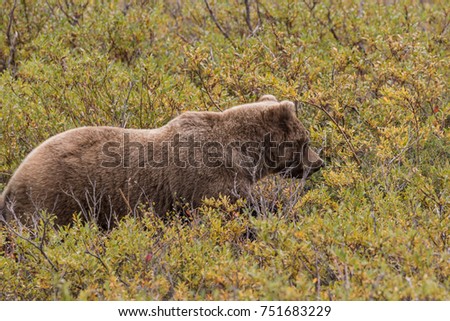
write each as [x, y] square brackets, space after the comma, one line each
[71, 172]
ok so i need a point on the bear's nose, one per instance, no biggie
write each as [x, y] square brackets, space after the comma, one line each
[318, 165]
[321, 164]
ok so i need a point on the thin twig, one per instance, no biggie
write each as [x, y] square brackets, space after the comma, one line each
[10, 22]
[344, 134]
[123, 116]
[199, 73]
[329, 25]
[427, 194]
[39, 247]
[12, 41]
[247, 15]
[213, 17]
[87, 251]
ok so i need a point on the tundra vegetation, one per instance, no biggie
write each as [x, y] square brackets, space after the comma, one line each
[370, 80]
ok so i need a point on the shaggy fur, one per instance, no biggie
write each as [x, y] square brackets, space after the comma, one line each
[107, 172]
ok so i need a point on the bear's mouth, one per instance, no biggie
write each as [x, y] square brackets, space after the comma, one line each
[298, 171]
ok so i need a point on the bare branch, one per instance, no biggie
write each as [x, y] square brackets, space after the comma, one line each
[328, 25]
[213, 17]
[254, 30]
[199, 74]
[331, 27]
[88, 251]
[247, 15]
[124, 116]
[12, 41]
[341, 130]
[39, 247]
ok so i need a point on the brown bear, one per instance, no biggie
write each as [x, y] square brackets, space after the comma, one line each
[107, 172]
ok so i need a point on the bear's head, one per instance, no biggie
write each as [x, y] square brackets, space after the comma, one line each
[286, 145]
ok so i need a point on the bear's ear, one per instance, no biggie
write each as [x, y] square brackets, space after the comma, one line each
[267, 98]
[282, 115]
